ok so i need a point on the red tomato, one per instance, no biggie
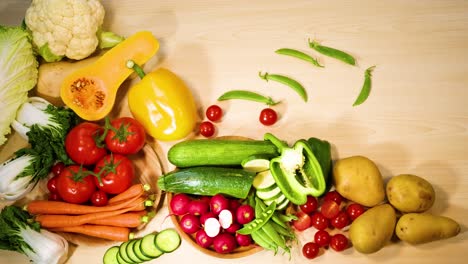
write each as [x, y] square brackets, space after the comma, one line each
[99, 198]
[81, 146]
[52, 184]
[214, 113]
[341, 220]
[116, 172]
[333, 196]
[355, 210]
[126, 136]
[75, 185]
[207, 129]
[54, 197]
[322, 238]
[319, 221]
[310, 206]
[268, 117]
[330, 209]
[310, 250]
[57, 168]
[339, 242]
[303, 221]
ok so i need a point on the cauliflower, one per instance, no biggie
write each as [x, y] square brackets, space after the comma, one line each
[67, 28]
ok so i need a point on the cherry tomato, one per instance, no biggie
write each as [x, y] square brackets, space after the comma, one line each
[330, 209]
[52, 184]
[99, 198]
[339, 242]
[81, 146]
[322, 238]
[116, 172]
[354, 210]
[126, 136]
[214, 113]
[319, 221]
[207, 129]
[303, 221]
[333, 196]
[268, 117]
[75, 185]
[310, 250]
[57, 168]
[341, 220]
[54, 197]
[310, 206]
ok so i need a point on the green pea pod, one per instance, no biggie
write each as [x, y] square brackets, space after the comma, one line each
[366, 87]
[262, 240]
[258, 222]
[300, 55]
[247, 95]
[332, 52]
[296, 86]
[275, 236]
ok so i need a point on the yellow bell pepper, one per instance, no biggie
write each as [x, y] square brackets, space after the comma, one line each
[163, 104]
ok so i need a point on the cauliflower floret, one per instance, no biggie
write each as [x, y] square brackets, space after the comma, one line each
[65, 28]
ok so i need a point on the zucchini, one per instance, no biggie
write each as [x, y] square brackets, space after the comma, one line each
[208, 181]
[167, 240]
[218, 152]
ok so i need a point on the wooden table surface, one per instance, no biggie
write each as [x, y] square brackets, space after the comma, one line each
[414, 121]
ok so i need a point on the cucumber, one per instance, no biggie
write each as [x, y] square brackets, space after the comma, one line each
[283, 205]
[120, 259]
[139, 253]
[279, 200]
[269, 195]
[123, 252]
[217, 152]
[264, 181]
[149, 248]
[167, 240]
[110, 257]
[208, 181]
[131, 252]
[256, 163]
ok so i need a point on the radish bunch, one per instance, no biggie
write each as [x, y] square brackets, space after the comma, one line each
[213, 221]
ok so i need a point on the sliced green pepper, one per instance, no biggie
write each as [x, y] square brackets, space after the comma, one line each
[322, 151]
[297, 171]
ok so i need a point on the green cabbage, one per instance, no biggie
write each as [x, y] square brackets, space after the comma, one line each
[18, 74]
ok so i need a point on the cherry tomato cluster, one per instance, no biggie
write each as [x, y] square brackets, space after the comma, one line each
[214, 113]
[101, 164]
[333, 214]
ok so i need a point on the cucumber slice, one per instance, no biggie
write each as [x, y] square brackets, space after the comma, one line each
[256, 163]
[282, 205]
[148, 247]
[264, 181]
[123, 252]
[269, 195]
[131, 252]
[139, 253]
[110, 257]
[278, 200]
[167, 240]
[120, 259]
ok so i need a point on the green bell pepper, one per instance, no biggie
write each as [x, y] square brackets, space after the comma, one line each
[322, 151]
[297, 172]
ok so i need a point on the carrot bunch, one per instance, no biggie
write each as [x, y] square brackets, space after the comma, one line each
[114, 221]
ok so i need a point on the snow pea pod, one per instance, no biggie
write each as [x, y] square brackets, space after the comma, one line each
[247, 95]
[366, 87]
[258, 222]
[332, 52]
[300, 55]
[296, 86]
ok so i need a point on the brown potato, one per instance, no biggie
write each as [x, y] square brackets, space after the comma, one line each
[417, 228]
[358, 179]
[410, 193]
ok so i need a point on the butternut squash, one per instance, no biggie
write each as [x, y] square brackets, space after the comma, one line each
[91, 90]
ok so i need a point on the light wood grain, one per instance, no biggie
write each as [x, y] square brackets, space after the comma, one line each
[415, 120]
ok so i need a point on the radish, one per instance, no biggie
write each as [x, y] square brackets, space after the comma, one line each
[224, 243]
[243, 240]
[234, 204]
[190, 223]
[218, 203]
[205, 216]
[179, 204]
[225, 218]
[212, 227]
[203, 240]
[198, 207]
[244, 214]
[233, 228]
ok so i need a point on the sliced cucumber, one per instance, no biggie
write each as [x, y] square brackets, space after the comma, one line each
[110, 257]
[123, 252]
[264, 181]
[278, 200]
[283, 205]
[131, 252]
[269, 195]
[139, 253]
[120, 259]
[256, 163]
[167, 240]
[148, 246]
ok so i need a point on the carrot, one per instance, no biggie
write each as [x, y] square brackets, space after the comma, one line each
[130, 219]
[134, 190]
[56, 207]
[52, 220]
[114, 233]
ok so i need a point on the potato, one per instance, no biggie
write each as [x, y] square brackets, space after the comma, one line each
[358, 179]
[373, 229]
[410, 193]
[417, 228]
